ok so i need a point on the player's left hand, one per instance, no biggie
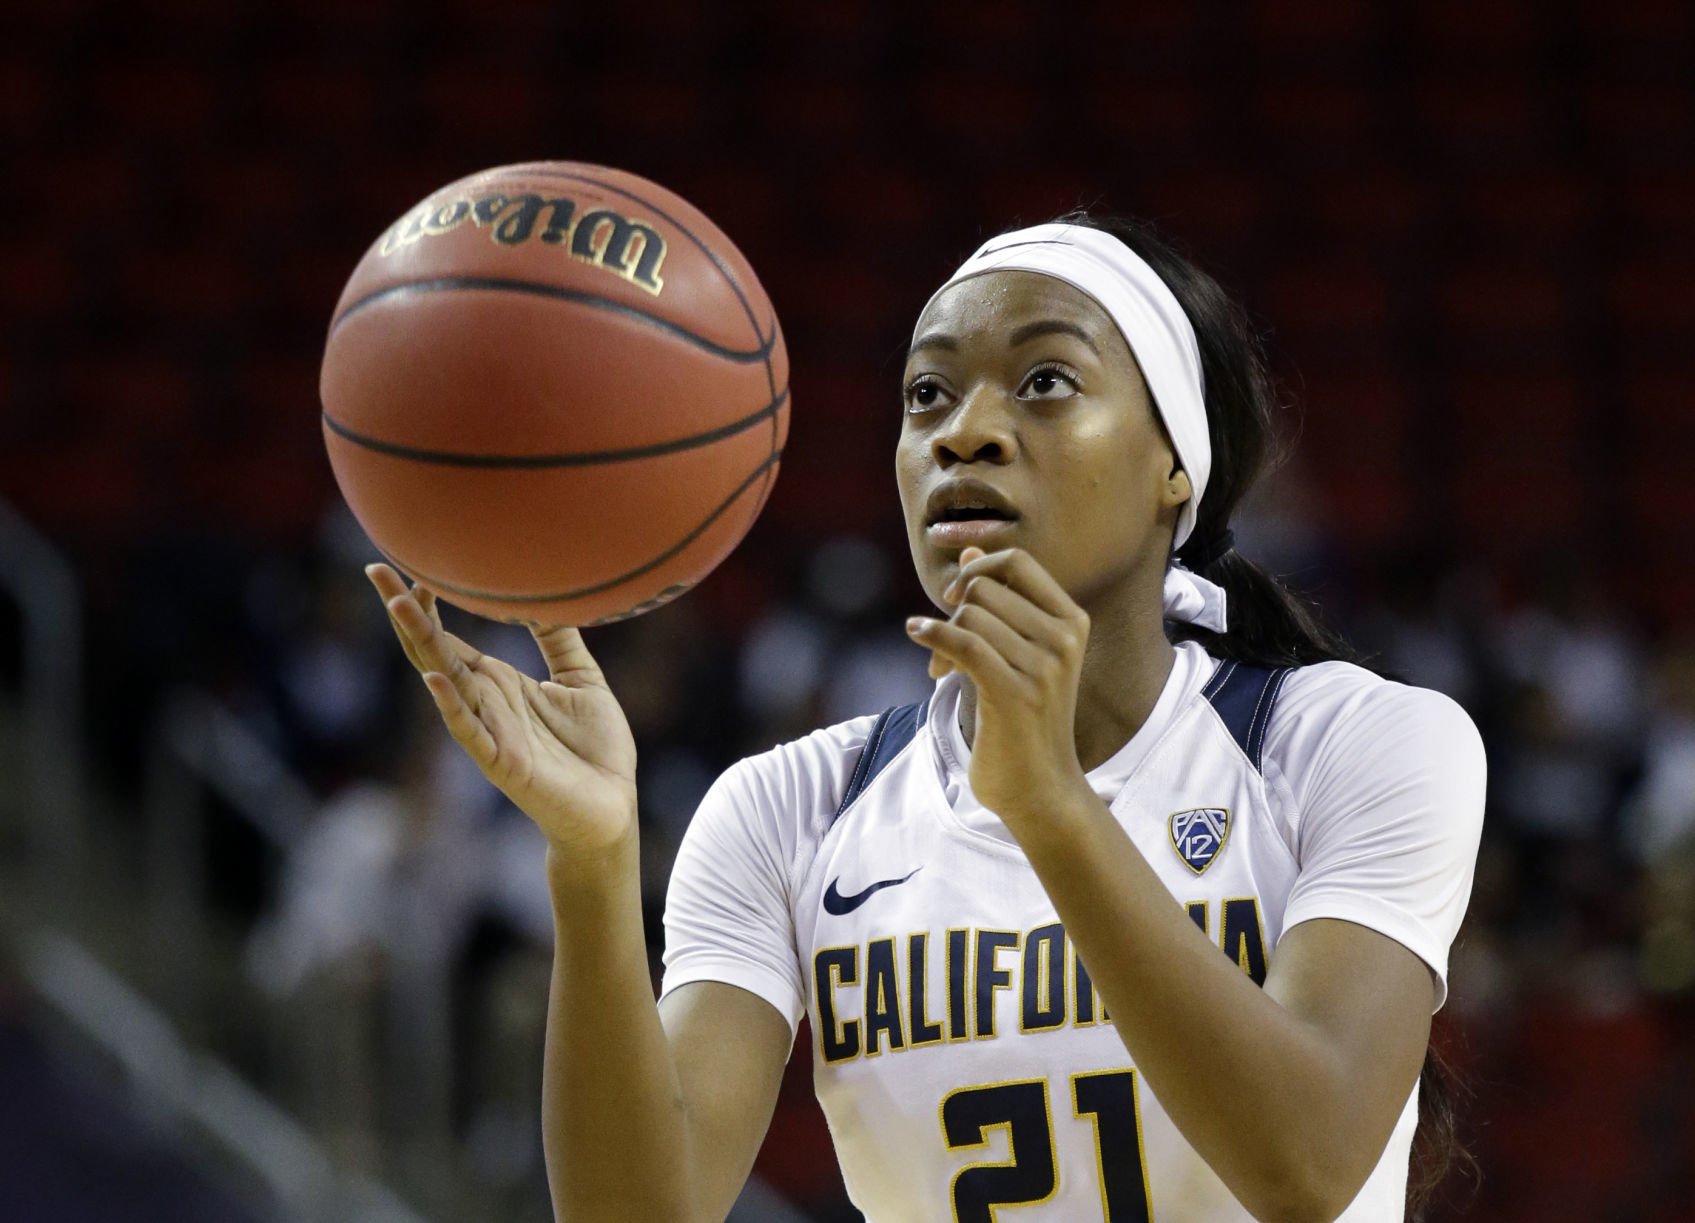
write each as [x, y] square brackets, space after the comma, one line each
[1019, 638]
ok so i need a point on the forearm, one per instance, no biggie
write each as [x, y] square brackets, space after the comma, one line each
[614, 1125]
[1255, 1090]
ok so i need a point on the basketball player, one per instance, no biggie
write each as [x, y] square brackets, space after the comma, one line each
[1143, 914]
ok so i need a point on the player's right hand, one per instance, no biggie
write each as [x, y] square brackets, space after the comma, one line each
[560, 749]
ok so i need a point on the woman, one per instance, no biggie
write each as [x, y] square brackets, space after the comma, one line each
[1003, 909]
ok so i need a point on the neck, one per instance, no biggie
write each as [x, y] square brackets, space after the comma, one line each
[1125, 666]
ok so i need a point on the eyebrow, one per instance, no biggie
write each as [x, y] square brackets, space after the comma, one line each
[1020, 335]
[1051, 326]
[934, 339]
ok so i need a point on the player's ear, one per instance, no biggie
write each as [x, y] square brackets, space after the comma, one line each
[1177, 487]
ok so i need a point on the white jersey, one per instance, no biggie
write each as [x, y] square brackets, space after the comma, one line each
[961, 1054]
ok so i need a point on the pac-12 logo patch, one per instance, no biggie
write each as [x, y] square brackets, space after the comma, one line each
[1198, 835]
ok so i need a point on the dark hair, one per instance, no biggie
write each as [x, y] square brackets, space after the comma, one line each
[1269, 624]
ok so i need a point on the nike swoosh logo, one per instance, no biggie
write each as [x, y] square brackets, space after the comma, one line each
[835, 902]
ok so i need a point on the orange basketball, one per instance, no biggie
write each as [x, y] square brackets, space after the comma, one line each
[555, 392]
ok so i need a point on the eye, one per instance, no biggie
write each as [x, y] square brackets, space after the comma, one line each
[923, 393]
[1050, 381]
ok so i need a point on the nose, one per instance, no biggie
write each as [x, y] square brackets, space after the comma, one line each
[978, 430]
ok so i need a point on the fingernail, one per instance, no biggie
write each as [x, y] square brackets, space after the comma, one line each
[917, 624]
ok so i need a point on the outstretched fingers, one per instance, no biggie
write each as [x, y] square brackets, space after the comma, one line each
[551, 702]
[433, 648]
[389, 584]
[568, 659]
[417, 623]
[467, 729]
[387, 580]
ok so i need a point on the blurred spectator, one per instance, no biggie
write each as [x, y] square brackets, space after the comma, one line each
[330, 679]
[1574, 645]
[837, 651]
[1431, 626]
[1574, 709]
[374, 904]
[1660, 828]
[1660, 820]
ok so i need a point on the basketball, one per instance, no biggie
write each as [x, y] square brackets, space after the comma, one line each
[555, 393]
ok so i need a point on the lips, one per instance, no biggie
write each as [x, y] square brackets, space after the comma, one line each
[967, 500]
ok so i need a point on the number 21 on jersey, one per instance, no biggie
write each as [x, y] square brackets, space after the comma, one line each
[1030, 1173]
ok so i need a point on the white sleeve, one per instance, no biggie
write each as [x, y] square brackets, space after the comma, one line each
[727, 915]
[1389, 803]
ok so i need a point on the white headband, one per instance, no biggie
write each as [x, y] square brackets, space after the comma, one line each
[1161, 339]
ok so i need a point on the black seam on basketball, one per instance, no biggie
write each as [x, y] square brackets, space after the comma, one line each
[723, 268]
[766, 343]
[440, 284]
[587, 458]
[598, 587]
[771, 382]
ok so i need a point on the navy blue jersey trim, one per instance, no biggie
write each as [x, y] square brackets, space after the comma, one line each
[894, 729]
[1219, 676]
[1244, 697]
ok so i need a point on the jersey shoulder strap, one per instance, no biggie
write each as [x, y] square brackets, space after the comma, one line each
[1244, 696]
[894, 729]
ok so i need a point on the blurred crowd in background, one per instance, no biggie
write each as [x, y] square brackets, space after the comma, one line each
[1464, 225]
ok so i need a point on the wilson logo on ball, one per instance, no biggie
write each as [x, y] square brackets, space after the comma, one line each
[599, 236]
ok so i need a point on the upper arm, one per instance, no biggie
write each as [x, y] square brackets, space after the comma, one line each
[1369, 1000]
[729, 1047]
[1387, 784]
[1388, 787]
[733, 992]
